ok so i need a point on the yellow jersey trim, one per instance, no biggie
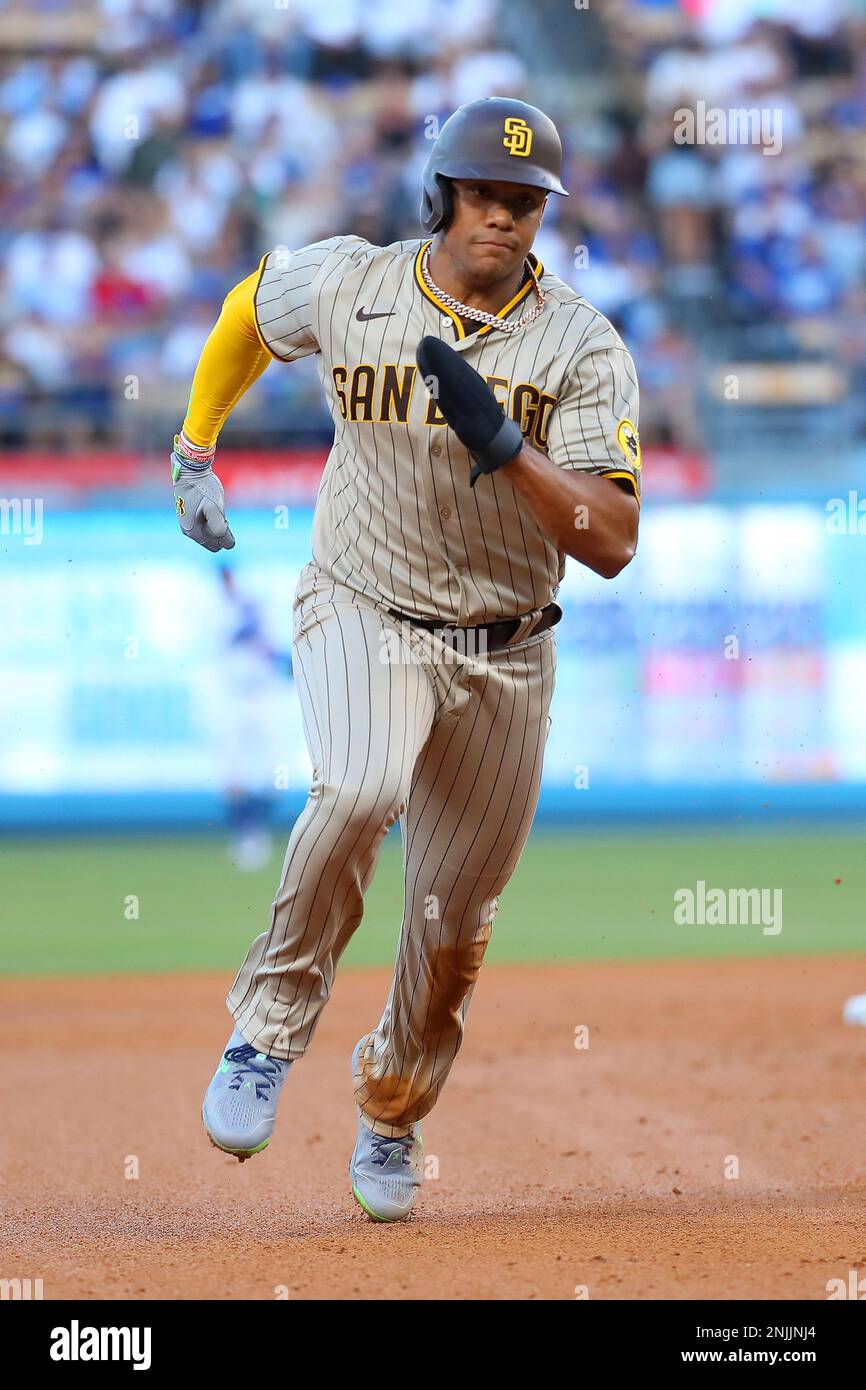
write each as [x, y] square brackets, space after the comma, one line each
[622, 473]
[434, 299]
[455, 319]
[521, 295]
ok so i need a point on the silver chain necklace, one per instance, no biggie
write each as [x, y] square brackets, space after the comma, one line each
[465, 311]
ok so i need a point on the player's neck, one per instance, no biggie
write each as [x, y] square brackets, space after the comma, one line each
[489, 297]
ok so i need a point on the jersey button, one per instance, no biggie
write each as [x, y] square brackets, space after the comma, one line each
[445, 512]
[436, 450]
[445, 320]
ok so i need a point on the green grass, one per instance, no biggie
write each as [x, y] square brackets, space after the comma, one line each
[574, 896]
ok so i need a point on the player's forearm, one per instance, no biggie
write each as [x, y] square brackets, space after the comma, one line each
[232, 359]
[585, 515]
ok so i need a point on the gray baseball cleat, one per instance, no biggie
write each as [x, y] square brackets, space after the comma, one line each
[386, 1173]
[240, 1105]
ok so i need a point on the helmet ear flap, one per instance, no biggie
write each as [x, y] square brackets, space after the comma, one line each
[436, 201]
[447, 202]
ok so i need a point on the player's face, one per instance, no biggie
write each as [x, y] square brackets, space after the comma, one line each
[494, 226]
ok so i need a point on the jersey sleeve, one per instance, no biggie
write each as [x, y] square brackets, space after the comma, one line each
[285, 296]
[594, 424]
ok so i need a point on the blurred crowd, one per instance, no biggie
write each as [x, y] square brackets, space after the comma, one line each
[148, 160]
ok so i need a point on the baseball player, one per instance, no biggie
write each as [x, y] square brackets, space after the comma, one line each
[485, 428]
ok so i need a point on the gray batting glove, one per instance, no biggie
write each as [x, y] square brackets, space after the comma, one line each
[199, 501]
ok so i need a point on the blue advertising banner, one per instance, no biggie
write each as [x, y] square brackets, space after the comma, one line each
[141, 678]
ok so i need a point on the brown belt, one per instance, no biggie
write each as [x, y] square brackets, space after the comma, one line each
[488, 635]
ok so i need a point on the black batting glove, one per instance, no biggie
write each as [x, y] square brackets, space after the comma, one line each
[469, 406]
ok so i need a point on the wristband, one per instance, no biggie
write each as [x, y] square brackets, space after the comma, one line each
[505, 445]
[196, 456]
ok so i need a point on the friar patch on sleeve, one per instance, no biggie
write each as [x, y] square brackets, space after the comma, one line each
[628, 440]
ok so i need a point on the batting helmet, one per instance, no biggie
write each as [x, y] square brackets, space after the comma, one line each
[494, 138]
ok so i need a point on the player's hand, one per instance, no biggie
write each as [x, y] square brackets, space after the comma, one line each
[469, 406]
[199, 502]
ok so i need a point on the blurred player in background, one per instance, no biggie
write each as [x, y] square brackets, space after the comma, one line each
[253, 684]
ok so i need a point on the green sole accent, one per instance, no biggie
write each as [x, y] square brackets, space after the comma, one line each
[235, 1153]
[372, 1215]
[240, 1153]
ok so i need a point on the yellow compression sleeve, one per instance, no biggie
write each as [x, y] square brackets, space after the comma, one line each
[231, 360]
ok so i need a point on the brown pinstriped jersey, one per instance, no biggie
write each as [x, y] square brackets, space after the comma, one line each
[395, 516]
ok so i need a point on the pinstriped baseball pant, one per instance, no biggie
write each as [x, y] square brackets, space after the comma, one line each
[398, 726]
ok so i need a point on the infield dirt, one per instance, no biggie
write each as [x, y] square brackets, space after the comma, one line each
[608, 1168]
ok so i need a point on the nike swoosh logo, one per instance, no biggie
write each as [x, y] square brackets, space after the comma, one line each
[363, 317]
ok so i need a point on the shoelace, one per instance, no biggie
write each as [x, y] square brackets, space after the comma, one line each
[265, 1069]
[384, 1149]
